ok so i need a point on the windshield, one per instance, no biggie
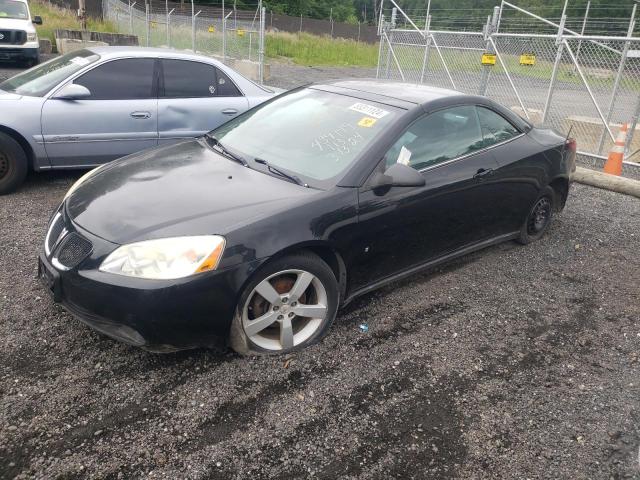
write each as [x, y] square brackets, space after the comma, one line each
[12, 9]
[40, 80]
[312, 134]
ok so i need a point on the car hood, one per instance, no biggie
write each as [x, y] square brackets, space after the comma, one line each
[16, 24]
[183, 189]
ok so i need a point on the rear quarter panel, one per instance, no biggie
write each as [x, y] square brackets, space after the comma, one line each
[525, 167]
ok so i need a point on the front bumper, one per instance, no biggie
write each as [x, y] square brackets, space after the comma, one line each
[19, 52]
[158, 315]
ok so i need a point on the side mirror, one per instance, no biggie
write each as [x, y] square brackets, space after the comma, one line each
[37, 20]
[398, 175]
[72, 91]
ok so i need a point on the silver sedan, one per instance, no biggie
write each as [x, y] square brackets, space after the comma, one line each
[92, 106]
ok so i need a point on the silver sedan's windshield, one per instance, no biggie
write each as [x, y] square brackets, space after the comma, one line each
[13, 9]
[311, 133]
[40, 80]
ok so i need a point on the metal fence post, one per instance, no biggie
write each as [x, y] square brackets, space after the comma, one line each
[331, 20]
[425, 58]
[394, 15]
[619, 74]
[554, 73]
[169, 27]
[263, 14]
[131, 17]
[492, 24]
[146, 7]
[224, 37]
[584, 26]
[193, 26]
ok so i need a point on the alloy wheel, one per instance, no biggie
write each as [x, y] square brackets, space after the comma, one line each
[539, 217]
[284, 310]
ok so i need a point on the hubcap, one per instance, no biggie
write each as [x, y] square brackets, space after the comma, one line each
[284, 310]
[4, 165]
[539, 216]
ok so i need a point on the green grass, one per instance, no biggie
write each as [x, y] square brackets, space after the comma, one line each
[55, 18]
[307, 49]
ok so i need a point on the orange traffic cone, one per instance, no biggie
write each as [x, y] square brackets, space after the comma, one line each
[613, 164]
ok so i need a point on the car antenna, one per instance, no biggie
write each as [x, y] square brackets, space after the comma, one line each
[567, 138]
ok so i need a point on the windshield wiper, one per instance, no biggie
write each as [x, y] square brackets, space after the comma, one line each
[277, 171]
[220, 148]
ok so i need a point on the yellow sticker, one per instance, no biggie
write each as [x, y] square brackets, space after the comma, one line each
[528, 59]
[212, 29]
[367, 122]
[488, 59]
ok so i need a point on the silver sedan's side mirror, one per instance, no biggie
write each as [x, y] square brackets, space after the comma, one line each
[72, 91]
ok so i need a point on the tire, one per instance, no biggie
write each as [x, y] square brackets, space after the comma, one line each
[13, 164]
[316, 286]
[539, 217]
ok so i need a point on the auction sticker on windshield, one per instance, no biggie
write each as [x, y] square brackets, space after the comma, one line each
[369, 110]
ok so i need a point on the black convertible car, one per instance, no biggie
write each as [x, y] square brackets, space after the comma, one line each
[257, 233]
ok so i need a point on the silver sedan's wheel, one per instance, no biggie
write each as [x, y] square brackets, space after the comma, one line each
[285, 310]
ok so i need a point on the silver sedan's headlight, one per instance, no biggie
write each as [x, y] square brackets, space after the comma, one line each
[166, 258]
[81, 180]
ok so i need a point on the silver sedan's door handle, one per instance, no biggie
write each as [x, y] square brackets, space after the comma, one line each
[229, 111]
[141, 115]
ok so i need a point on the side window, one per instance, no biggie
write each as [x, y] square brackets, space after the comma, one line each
[226, 88]
[437, 138]
[495, 128]
[185, 79]
[127, 79]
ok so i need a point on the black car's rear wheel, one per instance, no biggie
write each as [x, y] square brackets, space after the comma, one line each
[13, 164]
[539, 217]
[288, 305]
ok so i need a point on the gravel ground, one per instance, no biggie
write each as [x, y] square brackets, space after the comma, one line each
[513, 362]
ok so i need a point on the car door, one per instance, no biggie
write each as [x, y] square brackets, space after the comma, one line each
[403, 227]
[119, 118]
[520, 165]
[195, 98]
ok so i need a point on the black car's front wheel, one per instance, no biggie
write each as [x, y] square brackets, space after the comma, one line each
[288, 305]
[539, 218]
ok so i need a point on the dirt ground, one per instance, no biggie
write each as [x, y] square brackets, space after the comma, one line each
[513, 362]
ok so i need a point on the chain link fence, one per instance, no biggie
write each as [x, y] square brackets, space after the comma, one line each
[586, 85]
[234, 36]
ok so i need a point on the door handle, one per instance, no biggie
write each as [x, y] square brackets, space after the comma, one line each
[141, 115]
[483, 172]
[229, 111]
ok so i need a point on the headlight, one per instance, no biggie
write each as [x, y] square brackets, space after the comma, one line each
[166, 258]
[32, 37]
[81, 180]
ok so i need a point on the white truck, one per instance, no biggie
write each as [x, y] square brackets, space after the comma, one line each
[18, 37]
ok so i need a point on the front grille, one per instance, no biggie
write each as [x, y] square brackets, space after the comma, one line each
[53, 235]
[13, 37]
[73, 250]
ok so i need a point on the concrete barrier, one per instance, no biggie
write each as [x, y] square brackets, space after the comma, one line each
[45, 46]
[251, 69]
[66, 45]
[72, 40]
[535, 115]
[587, 132]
